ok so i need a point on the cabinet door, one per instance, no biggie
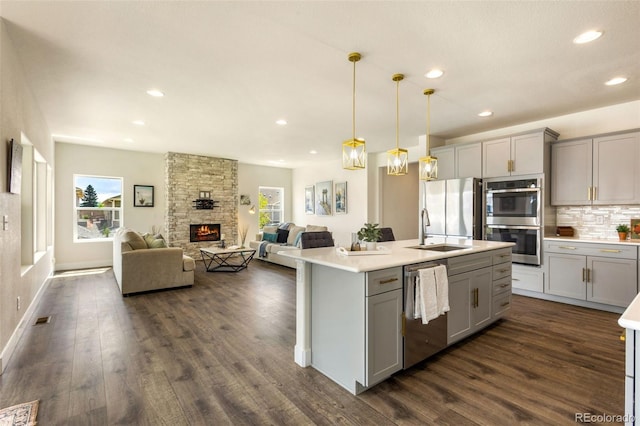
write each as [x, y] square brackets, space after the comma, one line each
[495, 157]
[571, 172]
[483, 285]
[469, 160]
[446, 162]
[384, 335]
[527, 154]
[612, 281]
[565, 275]
[466, 313]
[616, 169]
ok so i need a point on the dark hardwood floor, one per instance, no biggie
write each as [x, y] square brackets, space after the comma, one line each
[221, 352]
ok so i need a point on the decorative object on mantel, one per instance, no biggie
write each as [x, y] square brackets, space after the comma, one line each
[370, 234]
[204, 204]
[353, 150]
[623, 230]
[245, 200]
[142, 196]
[398, 158]
[428, 165]
[635, 229]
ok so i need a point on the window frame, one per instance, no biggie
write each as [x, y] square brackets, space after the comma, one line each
[117, 213]
[269, 210]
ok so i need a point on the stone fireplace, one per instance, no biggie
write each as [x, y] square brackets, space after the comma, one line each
[187, 177]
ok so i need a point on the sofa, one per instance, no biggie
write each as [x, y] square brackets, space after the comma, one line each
[144, 263]
[289, 235]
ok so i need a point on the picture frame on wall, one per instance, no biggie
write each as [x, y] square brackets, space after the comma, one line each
[340, 192]
[635, 229]
[142, 195]
[324, 198]
[309, 200]
[15, 167]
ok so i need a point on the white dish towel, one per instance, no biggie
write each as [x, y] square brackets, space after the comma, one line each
[426, 295]
[431, 293]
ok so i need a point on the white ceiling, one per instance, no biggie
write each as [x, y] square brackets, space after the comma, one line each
[231, 69]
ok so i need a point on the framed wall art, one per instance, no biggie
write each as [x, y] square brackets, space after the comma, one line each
[309, 200]
[324, 198]
[635, 229]
[142, 196]
[340, 192]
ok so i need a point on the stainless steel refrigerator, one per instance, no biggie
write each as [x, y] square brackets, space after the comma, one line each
[454, 207]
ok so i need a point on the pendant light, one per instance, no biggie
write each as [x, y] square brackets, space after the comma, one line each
[428, 165]
[398, 158]
[353, 150]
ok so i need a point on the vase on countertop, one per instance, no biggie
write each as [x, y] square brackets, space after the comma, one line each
[371, 245]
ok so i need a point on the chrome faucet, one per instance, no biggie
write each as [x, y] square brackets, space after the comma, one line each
[424, 222]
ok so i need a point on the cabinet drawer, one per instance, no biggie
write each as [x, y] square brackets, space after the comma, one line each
[501, 256]
[501, 304]
[384, 280]
[618, 251]
[527, 278]
[502, 270]
[470, 262]
[502, 285]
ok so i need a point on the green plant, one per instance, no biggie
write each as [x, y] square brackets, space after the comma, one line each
[369, 232]
[106, 232]
[622, 228]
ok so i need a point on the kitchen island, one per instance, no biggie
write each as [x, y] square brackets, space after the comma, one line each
[349, 308]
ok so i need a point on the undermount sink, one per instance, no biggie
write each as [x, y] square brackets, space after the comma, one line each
[440, 247]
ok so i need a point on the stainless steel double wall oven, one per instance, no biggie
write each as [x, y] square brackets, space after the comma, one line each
[513, 214]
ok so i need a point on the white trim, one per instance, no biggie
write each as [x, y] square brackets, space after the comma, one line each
[84, 265]
[10, 347]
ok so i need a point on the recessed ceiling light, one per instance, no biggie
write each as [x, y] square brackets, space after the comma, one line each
[155, 93]
[128, 140]
[434, 73]
[587, 37]
[313, 151]
[616, 80]
[138, 122]
[485, 114]
[281, 122]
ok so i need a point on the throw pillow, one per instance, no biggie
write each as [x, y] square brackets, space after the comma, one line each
[154, 242]
[267, 236]
[282, 236]
[293, 235]
[134, 239]
[269, 229]
[316, 228]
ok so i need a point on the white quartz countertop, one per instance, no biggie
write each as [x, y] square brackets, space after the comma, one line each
[600, 241]
[631, 316]
[397, 253]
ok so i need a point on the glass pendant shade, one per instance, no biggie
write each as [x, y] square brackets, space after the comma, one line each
[428, 168]
[353, 150]
[353, 154]
[398, 158]
[428, 165]
[397, 162]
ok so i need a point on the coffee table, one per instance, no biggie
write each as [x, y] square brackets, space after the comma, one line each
[226, 259]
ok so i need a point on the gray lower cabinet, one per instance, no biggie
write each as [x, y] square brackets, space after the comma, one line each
[599, 273]
[469, 302]
[356, 325]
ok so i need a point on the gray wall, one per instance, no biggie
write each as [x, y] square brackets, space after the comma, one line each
[19, 114]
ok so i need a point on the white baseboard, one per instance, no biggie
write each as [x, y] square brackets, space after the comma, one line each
[10, 347]
[83, 265]
[569, 301]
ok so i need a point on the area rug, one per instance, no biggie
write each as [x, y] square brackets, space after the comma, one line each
[20, 415]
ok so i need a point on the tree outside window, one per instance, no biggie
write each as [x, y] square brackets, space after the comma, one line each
[270, 203]
[97, 207]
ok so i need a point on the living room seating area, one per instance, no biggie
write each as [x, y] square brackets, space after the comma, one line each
[273, 239]
[144, 263]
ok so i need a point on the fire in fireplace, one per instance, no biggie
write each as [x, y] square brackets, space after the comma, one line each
[204, 232]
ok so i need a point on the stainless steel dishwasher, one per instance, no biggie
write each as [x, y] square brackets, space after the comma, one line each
[420, 340]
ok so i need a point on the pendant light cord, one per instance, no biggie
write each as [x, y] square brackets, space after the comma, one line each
[397, 111]
[428, 124]
[353, 106]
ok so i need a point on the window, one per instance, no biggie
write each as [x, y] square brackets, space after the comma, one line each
[271, 202]
[97, 207]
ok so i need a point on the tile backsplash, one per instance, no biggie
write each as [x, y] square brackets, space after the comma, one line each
[598, 222]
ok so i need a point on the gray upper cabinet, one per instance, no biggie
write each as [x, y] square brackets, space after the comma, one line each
[459, 160]
[596, 171]
[516, 155]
